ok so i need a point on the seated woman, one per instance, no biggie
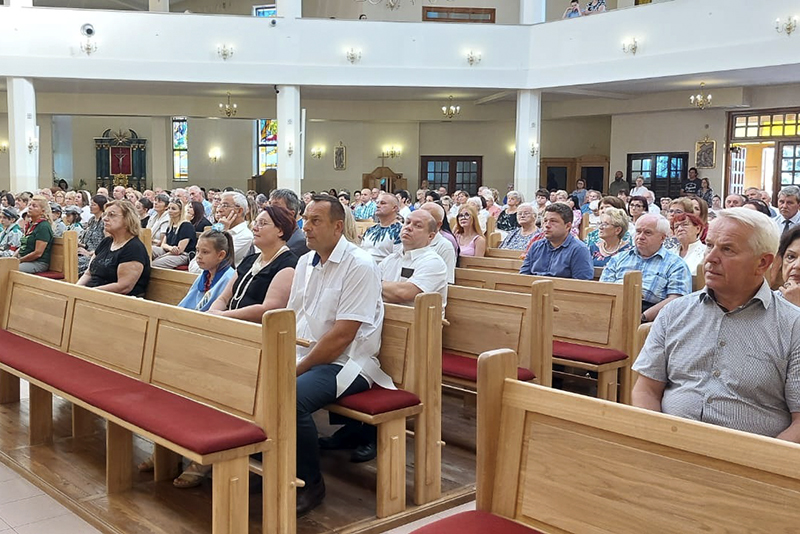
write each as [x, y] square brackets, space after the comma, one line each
[687, 228]
[676, 207]
[215, 257]
[178, 241]
[637, 206]
[787, 266]
[610, 233]
[10, 232]
[159, 221]
[468, 232]
[507, 220]
[143, 207]
[92, 234]
[195, 213]
[72, 218]
[120, 263]
[55, 220]
[35, 245]
[518, 238]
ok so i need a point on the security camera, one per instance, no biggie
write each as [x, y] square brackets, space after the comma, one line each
[87, 30]
[273, 22]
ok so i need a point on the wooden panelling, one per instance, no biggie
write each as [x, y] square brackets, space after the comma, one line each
[37, 315]
[395, 344]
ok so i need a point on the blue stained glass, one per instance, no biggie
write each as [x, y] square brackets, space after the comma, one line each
[268, 11]
[662, 166]
[267, 132]
[179, 135]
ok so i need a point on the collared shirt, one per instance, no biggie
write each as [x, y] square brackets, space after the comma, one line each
[380, 241]
[781, 221]
[365, 212]
[663, 273]
[242, 245]
[422, 267]
[346, 287]
[571, 259]
[739, 369]
[447, 252]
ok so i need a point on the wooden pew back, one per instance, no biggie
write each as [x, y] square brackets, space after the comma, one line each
[64, 256]
[560, 462]
[168, 285]
[146, 237]
[504, 265]
[506, 253]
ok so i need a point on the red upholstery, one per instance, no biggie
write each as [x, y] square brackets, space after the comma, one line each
[53, 275]
[379, 400]
[475, 522]
[182, 268]
[466, 368]
[183, 421]
[586, 353]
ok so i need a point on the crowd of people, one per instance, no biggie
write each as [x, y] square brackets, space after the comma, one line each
[255, 252]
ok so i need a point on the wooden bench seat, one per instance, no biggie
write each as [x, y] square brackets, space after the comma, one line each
[63, 258]
[556, 462]
[211, 389]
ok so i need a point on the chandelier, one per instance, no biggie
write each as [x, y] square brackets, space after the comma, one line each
[450, 110]
[395, 4]
[701, 99]
[228, 109]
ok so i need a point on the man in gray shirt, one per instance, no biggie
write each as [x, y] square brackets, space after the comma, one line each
[729, 354]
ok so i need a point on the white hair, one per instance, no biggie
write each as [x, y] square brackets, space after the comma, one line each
[764, 236]
[517, 195]
[662, 224]
[239, 199]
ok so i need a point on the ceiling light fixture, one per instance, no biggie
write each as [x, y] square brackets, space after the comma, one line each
[787, 27]
[228, 109]
[473, 58]
[225, 52]
[701, 100]
[88, 47]
[451, 110]
[630, 46]
[353, 55]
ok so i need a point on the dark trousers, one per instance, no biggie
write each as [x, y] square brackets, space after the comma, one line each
[316, 388]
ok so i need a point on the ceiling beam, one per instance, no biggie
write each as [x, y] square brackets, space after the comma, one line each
[493, 98]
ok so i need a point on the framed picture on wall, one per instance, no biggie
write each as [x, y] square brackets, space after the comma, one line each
[705, 154]
[339, 157]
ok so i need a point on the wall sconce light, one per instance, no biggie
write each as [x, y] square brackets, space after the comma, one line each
[512, 149]
[88, 47]
[534, 149]
[33, 144]
[786, 27]
[630, 46]
[228, 109]
[391, 153]
[214, 154]
[353, 55]
[290, 149]
[225, 52]
[701, 99]
[317, 152]
[473, 58]
[451, 110]
[3, 147]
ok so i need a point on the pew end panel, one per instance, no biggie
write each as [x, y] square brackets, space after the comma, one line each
[168, 285]
[146, 237]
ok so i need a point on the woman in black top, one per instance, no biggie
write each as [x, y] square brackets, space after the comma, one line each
[263, 280]
[196, 214]
[120, 263]
[179, 240]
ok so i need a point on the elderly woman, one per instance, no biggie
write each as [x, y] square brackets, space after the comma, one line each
[468, 232]
[179, 240]
[787, 266]
[92, 233]
[686, 228]
[10, 232]
[610, 236]
[676, 207]
[159, 221]
[507, 220]
[36, 243]
[120, 263]
[518, 238]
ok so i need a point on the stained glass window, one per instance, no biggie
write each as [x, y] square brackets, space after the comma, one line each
[267, 144]
[180, 149]
[759, 125]
[268, 10]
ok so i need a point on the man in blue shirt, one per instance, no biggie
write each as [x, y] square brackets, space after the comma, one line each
[665, 276]
[560, 253]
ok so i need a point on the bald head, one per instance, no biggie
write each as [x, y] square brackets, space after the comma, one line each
[436, 211]
[418, 230]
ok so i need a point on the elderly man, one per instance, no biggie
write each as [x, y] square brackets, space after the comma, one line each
[729, 354]
[767, 199]
[734, 200]
[665, 276]
[383, 238]
[104, 191]
[788, 204]
[366, 211]
[336, 295]
[441, 244]
[181, 194]
[119, 193]
[197, 195]
[286, 198]
[560, 253]
[230, 218]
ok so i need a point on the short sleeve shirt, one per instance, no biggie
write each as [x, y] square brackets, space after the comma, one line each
[184, 231]
[41, 231]
[422, 267]
[106, 261]
[380, 241]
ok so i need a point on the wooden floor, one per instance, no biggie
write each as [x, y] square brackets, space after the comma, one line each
[73, 471]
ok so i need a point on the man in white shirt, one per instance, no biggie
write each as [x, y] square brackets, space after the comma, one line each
[336, 295]
[404, 199]
[230, 218]
[440, 244]
[383, 238]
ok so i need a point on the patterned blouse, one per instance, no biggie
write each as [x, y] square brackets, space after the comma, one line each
[599, 255]
[516, 241]
[507, 221]
[92, 235]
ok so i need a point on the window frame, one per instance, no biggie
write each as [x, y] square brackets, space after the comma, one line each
[452, 171]
[492, 12]
[176, 176]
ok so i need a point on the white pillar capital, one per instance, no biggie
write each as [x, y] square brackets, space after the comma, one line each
[23, 134]
[528, 141]
[290, 149]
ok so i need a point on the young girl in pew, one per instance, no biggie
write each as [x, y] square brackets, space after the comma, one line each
[215, 256]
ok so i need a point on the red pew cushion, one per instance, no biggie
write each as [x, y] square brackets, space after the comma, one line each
[182, 268]
[466, 368]
[187, 423]
[475, 522]
[379, 400]
[53, 275]
[586, 353]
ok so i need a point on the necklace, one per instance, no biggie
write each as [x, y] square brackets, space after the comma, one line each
[609, 251]
[247, 279]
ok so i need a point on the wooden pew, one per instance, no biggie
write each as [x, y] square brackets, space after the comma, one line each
[240, 376]
[410, 354]
[505, 265]
[595, 315]
[505, 253]
[493, 240]
[168, 285]
[63, 258]
[146, 237]
[556, 462]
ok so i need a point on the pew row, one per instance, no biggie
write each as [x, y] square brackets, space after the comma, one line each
[410, 353]
[168, 286]
[233, 394]
[507, 253]
[503, 265]
[556, 462]
[594, 324]
[63, 258]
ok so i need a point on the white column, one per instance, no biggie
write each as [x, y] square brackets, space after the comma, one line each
[158, 6]
[532, 11]
[290, 9]
[290, 168]
[526, 166]
[158, 147]
[23, 135]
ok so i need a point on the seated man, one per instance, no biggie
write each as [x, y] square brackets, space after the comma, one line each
[730, 354]
[560, 253]
[230, 218]
[383, 238]
[665, 276]
[286, 198]
[336, 294]
[440, 244]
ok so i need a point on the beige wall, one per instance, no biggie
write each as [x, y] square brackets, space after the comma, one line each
[572, 138]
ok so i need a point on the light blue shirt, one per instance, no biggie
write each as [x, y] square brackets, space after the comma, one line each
[196, 298]
[663, 273]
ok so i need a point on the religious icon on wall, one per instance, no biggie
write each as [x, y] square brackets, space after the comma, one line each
[705, 154]
[339, 157]
[120, 160]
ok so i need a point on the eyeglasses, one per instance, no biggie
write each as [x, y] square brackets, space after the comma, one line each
[111, 215]
[260, 223]
[464, 215]
[676, 212]
[226, 205]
